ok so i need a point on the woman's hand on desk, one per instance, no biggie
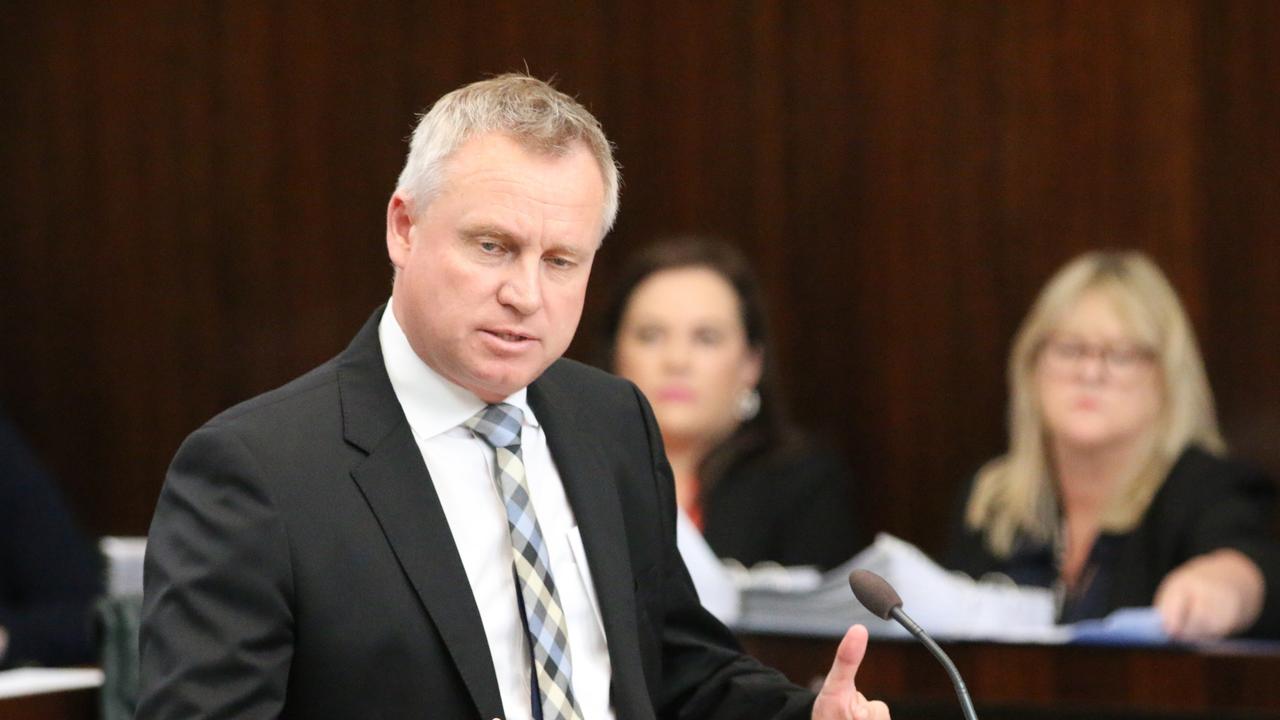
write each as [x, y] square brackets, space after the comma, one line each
[1211, 596]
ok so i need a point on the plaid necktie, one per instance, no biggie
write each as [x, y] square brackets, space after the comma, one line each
[499, 426]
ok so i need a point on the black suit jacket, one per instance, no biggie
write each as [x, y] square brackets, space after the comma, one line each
[300, 565]
[1205, 503]
[789, 506]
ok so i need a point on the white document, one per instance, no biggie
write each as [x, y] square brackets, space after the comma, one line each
[945, 604]
[770, 576]
[34, 681]
[951, 604]
[948, 605]
[710, 578]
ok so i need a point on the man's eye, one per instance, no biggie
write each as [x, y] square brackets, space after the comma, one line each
[560, 263]
[490, 246]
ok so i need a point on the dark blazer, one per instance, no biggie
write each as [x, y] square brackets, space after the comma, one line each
[300, 564]
[790, 507]
[1206, 503]
[49, 573]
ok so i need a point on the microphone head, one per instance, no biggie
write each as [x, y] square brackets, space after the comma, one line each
[874, 592]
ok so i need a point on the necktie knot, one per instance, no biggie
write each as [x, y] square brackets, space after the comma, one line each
[498, 425]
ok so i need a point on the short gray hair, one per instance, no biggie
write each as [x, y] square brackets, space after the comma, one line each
[529, 110]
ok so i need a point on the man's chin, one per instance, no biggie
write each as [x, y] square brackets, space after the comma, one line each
[496, 386]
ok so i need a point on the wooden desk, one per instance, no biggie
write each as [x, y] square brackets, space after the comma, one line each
[61, 705]
[1233, 681]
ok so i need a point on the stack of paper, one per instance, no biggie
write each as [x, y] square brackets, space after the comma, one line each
[946, 604]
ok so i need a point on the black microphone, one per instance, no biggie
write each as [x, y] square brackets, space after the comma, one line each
[878, 596]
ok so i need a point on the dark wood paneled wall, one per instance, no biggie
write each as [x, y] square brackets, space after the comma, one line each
[192, 199]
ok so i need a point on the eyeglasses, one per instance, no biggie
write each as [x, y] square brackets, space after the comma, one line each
[1067, 356]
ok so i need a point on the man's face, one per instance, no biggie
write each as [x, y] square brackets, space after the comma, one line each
[491, 275]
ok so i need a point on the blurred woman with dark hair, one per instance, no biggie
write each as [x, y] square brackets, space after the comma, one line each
[687, 326]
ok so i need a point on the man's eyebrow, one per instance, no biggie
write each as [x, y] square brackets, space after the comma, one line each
[489, 230]
[568, 250]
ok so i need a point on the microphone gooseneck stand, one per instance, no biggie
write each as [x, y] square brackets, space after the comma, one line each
[962, 692]
[878, 596]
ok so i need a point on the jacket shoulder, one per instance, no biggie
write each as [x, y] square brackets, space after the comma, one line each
[586, 381]
[1199, 473]
[299, 401]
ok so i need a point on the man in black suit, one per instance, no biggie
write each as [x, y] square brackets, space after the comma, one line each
[448, 519]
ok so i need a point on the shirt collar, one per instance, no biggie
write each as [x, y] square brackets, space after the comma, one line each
[432, 403]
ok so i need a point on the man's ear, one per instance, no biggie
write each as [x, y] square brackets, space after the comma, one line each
[399, 225]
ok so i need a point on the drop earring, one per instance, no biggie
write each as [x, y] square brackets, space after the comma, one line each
[748, 404]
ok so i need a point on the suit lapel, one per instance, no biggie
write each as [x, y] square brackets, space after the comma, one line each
[395, 482]
[593, 494]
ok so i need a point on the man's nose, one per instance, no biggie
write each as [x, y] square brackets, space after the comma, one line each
[522, 288]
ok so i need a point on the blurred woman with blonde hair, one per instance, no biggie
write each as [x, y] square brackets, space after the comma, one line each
[1115, 489]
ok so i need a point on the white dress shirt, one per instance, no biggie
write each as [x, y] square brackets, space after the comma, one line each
[461, 467]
